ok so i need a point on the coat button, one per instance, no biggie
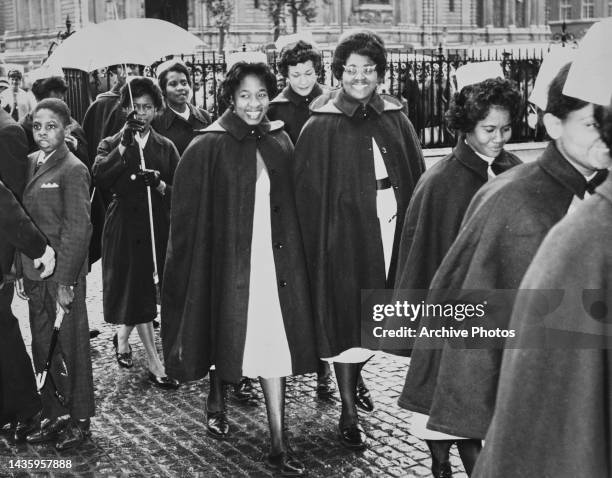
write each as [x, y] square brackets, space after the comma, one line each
[276, 209]
[282, 283]
[272, 171]
[279, 245]
[395, 186]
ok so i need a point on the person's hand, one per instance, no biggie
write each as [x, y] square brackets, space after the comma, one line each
[47, 260]
[65, 296]
[132, 126]
[72, 142]
[20, 290]
[151, 177]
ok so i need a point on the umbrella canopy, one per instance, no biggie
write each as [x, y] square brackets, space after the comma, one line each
[139, 41]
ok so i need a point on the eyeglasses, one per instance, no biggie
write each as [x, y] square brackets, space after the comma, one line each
[352, 70]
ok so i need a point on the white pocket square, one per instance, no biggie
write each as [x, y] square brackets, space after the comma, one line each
[49, 186]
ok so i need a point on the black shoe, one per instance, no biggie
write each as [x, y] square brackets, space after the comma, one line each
[352, 436]
[164, 382]
[244, 393]
[73, 435]
[363, 399]
[325, 387]
[217, 424]
[93, 333]
[124, 360]
[442, 470]
[49, 429]
[286, 464]
[28, 426]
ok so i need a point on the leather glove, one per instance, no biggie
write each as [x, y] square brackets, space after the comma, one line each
[132, 125]
[151, 177]
[65, 296]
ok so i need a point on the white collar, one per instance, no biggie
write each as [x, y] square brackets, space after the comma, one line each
[487, 159]
[42, 158]
[184, 115]
[142, 140]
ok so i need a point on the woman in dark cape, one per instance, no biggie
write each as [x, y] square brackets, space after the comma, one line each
[555, 376]
[501, 232]
[236, 293]
[357, 161]
[300, 64]
[179, 120]
[483, 114]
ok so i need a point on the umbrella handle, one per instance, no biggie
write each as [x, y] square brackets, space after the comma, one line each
[151, 225]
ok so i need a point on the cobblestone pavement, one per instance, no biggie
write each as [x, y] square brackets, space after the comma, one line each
[141, 431]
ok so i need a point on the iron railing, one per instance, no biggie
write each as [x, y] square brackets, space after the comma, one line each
[424, 81]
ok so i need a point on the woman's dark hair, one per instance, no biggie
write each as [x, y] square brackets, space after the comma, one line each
[558, 104]
[473, 102]
[178, 68]
[57, 106]
[237, 73]
[43, 87]
[364, 43]
[296, 53]
[141, 86]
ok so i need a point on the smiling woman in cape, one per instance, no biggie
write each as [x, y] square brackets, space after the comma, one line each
[236, 293]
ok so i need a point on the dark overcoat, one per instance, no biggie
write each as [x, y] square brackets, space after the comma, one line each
[206, 289]
[18, 397]
[336, 199]
[435, 212]
[293, 109]
[177, 129]
[558, 394]
[94, 125]
[127, 263]
[501, 232]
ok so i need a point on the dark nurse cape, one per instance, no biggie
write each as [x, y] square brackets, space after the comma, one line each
[553, 414]
[206, 284]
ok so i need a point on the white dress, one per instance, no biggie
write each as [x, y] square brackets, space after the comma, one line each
[386, 207]
[266, 350]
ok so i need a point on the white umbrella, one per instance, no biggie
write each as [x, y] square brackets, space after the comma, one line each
[140, 41]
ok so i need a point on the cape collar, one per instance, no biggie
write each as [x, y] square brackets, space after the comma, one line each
[231, 123]
[338, 102]
[349, 105]
[289, 95]
[467, 157]
[553, 162]
[168, 116]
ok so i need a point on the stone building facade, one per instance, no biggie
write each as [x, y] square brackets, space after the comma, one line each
[30, 26]
[577, 15]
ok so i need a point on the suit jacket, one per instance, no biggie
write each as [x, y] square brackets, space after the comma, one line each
[17, 231]
[57, 198]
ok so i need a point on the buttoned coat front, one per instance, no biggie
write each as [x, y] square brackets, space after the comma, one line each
[501, 232]
[206, 288]
[336, 198]
[127, 257]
